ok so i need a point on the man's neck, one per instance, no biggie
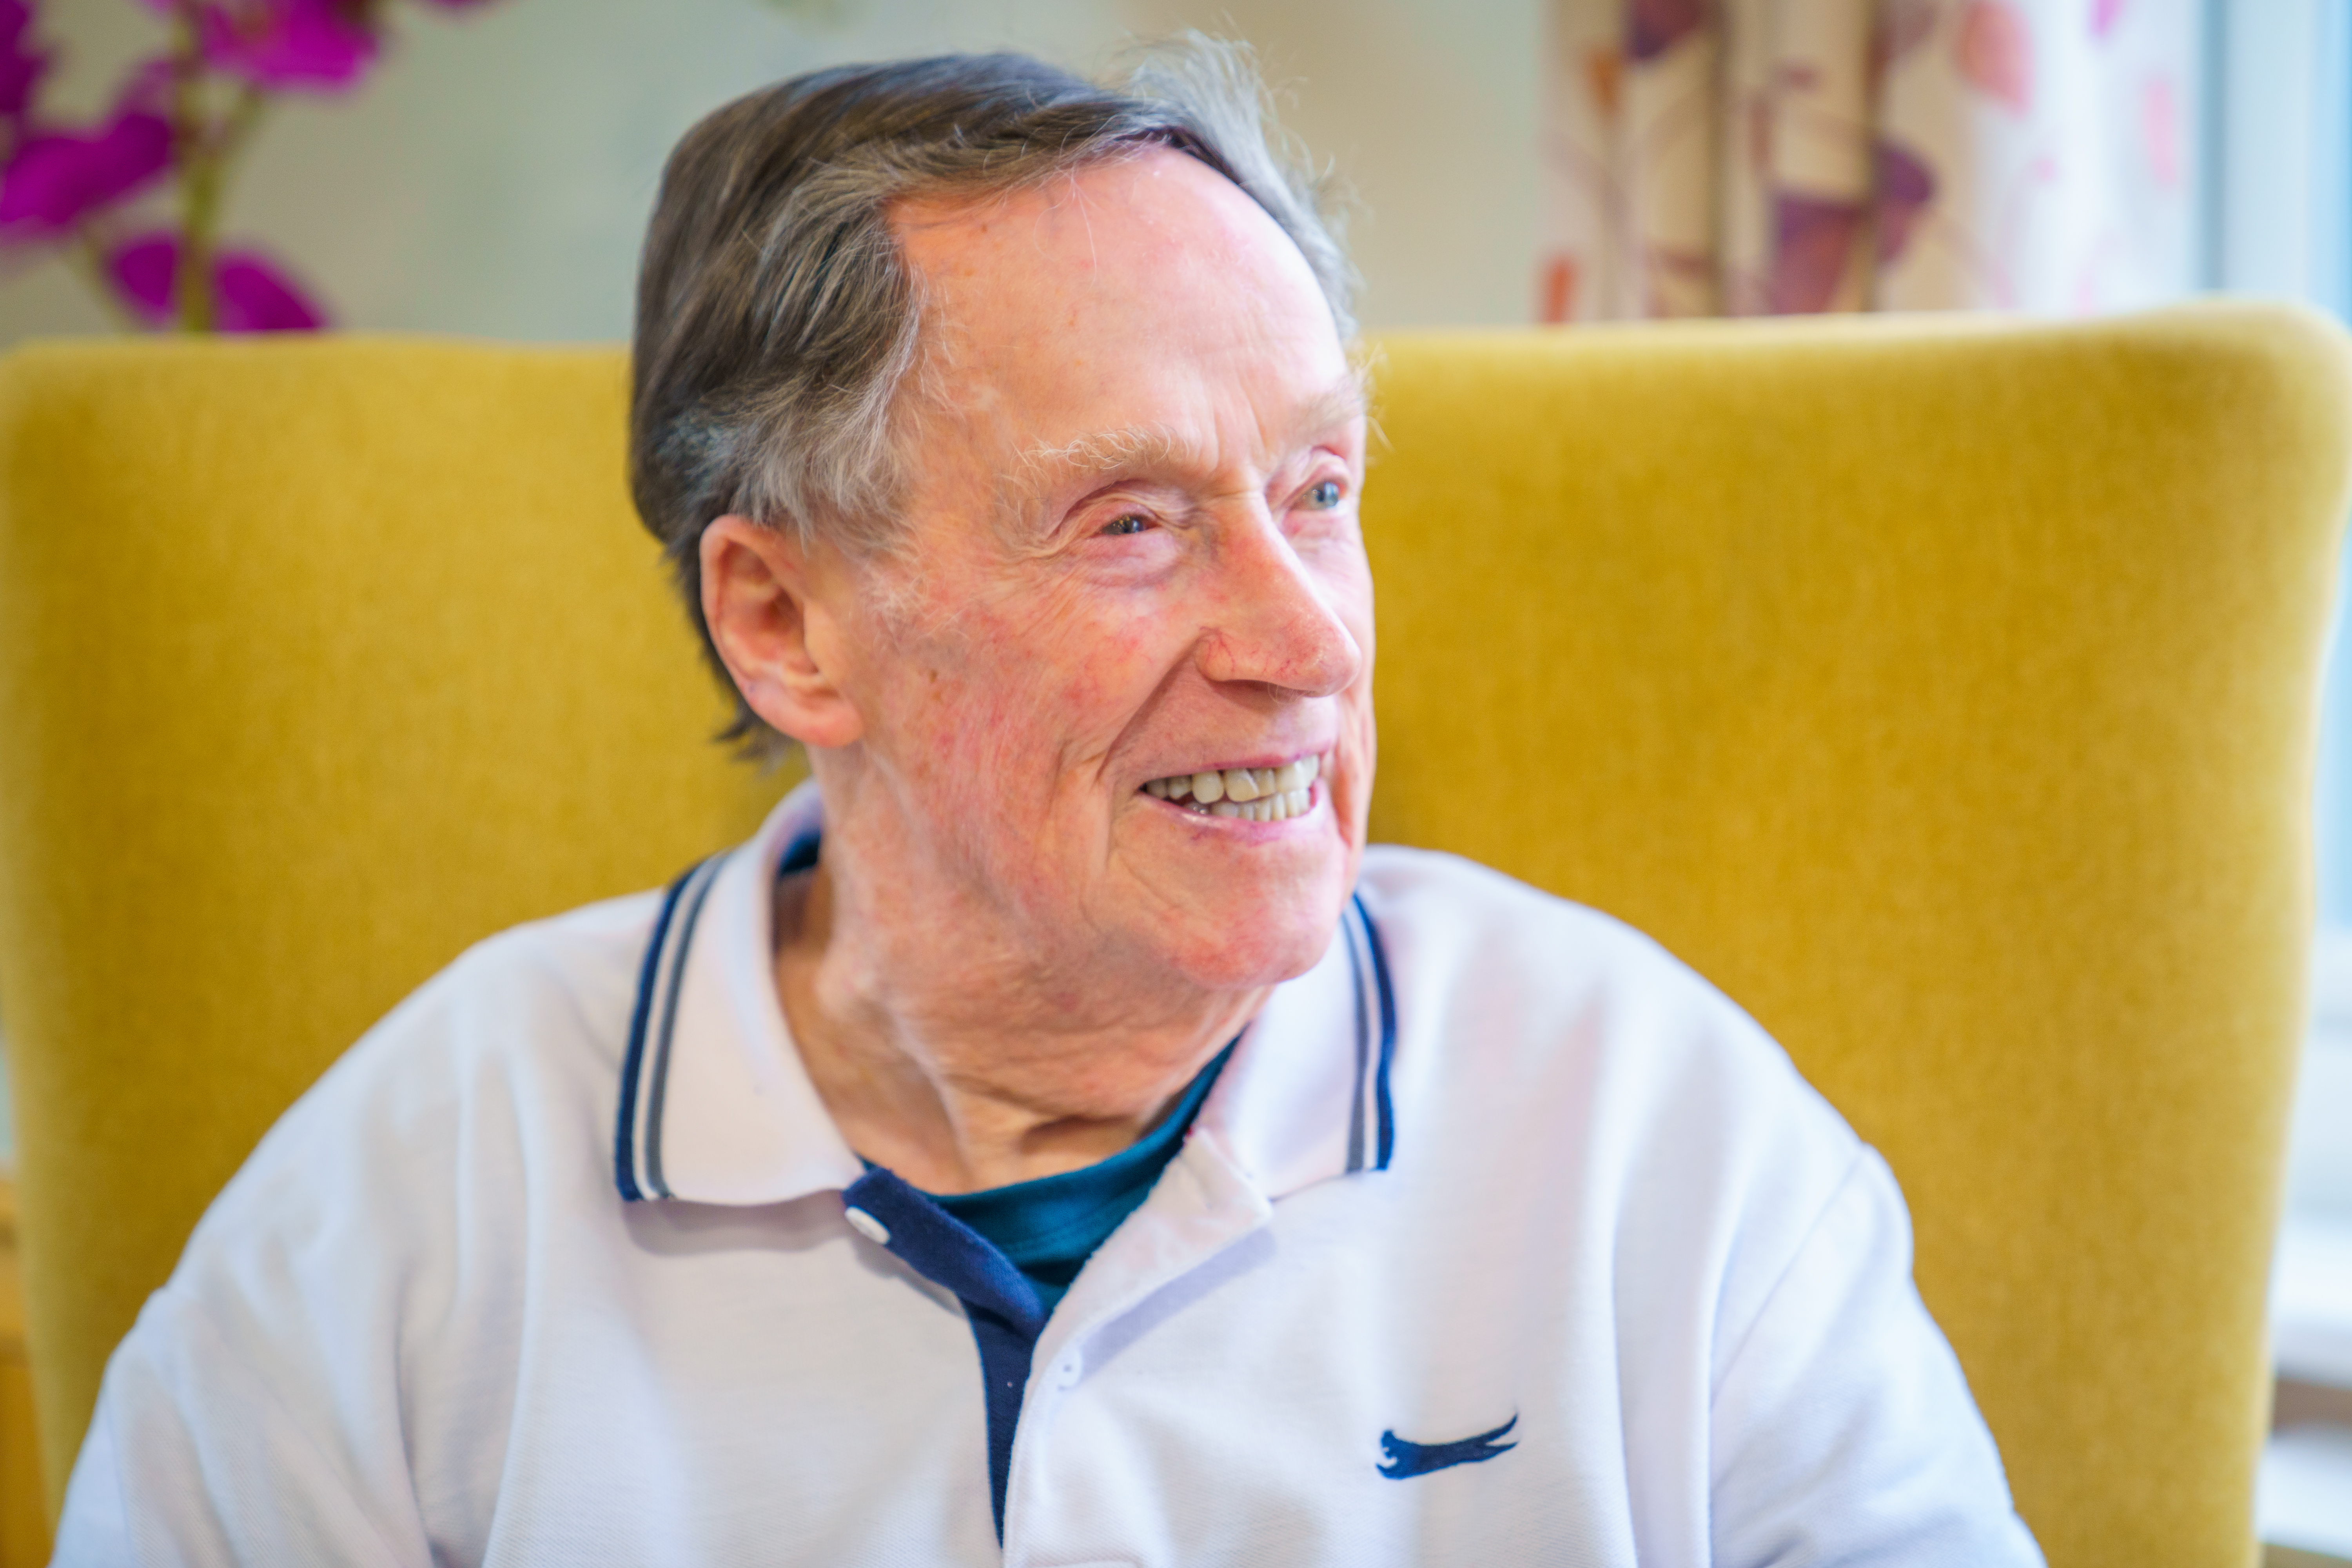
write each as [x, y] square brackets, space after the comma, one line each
[962, 1067]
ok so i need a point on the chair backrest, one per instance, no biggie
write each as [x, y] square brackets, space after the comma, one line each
[1945, 691]
[1942, 690]
[319, 660]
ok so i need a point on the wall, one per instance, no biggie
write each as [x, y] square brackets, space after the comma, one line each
[494, 175]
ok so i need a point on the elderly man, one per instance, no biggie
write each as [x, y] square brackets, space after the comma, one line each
[1055, 1139]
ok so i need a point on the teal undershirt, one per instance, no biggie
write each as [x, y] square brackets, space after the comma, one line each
[1049, 1227]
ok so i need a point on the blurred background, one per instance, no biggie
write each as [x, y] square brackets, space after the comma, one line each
[485, 167]
[491, 174]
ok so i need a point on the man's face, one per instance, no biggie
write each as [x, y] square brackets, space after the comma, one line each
[1133, 557]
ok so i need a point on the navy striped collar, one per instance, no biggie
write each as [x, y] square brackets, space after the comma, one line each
[715, 1106]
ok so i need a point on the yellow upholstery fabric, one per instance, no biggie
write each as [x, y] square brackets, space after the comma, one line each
[319, 660]
[1942, 690]
[1946, 694]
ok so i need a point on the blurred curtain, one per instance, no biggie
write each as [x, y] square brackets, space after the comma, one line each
[1765, 157]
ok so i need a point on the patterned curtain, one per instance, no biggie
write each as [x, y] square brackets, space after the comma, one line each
[1770, 157]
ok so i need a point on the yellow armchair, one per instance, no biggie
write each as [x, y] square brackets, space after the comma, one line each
[1943, 690]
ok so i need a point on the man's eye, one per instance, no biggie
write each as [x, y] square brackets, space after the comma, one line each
[1324, 495]
[1133, 522]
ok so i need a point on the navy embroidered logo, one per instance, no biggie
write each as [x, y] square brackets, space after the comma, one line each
[1409, 1459]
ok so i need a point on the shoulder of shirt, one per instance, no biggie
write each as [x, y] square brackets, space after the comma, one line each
[1538, 1014]
[568, 980]
[1484, 923]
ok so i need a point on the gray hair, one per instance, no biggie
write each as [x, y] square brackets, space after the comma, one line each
[777, 321]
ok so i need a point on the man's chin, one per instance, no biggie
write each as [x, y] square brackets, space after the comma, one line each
[1232, 917]
[1254, 945]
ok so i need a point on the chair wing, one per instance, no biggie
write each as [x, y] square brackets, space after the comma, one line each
[1945, 692]
[319, 660]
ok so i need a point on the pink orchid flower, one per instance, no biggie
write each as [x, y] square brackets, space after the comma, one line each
[287, 46]
[58, 177]
[253, 293]
[21, 64]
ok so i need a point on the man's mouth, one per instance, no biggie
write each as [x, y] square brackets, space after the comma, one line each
[1254, 795]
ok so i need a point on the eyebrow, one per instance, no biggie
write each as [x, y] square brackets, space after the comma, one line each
[1041, 468]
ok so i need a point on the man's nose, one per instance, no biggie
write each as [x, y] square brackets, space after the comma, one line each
[1275, 623]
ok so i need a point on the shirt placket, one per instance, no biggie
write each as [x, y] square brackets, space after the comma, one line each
[1204, 1204]
[1208, 1206]
[999, 1302]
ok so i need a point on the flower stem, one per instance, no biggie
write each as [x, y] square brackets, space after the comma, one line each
[244, 114]
[199, 175]
[204, 181]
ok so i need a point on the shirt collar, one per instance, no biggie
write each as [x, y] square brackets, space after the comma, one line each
[716, 1108]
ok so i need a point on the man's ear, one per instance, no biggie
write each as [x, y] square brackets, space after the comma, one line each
[775, 632]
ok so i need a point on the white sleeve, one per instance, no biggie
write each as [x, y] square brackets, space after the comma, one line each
[329, 1376]
[1842, 1429]
[189, 1461]
[94, 1531]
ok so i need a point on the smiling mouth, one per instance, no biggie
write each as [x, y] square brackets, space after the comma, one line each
[1254, 795]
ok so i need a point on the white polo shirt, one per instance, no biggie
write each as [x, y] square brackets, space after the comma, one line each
[1500, 1239]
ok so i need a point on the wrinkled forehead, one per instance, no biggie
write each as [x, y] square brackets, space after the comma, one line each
[1147, 259]
[1056, 238]
[1145, 312]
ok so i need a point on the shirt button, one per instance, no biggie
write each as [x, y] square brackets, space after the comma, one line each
[867, 1226]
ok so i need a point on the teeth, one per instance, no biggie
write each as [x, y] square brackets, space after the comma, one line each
[1254, 795]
